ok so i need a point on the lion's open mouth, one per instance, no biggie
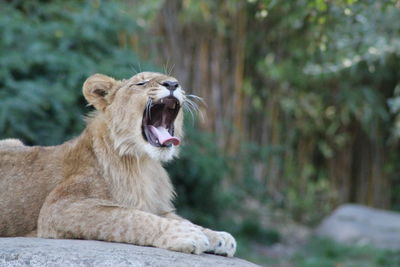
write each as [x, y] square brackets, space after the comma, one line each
[158, 122]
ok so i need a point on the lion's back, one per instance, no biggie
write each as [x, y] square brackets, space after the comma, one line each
[24, 173]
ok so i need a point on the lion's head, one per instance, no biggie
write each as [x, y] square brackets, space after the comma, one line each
[144, 113]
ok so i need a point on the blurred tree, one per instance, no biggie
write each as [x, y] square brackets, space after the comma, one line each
[205, 41]
[306, 81]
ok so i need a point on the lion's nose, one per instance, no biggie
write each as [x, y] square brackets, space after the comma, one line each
[170, 85]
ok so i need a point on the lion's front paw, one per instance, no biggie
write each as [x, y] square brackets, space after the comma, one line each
[221, 243]
[184, 237]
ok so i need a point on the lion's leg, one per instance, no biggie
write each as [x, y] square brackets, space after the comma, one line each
[221, 243]
[101, 220]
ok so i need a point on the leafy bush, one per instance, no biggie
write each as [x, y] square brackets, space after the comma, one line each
[46, 53]
[252, 229]
[197, 177]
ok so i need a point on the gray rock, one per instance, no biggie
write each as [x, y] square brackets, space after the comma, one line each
[22, 251]
[357, 224]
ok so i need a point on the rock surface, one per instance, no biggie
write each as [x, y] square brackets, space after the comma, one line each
[357, 224]
[22, 251]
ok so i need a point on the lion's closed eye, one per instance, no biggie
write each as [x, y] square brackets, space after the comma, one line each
[142, 83]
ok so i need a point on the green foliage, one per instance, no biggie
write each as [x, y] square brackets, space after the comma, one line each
[251, 229]
[46, 53]
[321, 252]
[197, 177]
[310, 207]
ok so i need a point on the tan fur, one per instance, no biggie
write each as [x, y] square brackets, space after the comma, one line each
[108, 183]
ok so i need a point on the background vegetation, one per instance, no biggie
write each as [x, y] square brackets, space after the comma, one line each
[303, 99]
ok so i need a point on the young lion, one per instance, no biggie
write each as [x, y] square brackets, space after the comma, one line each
[108, 183]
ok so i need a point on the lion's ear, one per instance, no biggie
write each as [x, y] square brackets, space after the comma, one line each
[96, 90]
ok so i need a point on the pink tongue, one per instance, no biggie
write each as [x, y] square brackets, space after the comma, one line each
[163, 136]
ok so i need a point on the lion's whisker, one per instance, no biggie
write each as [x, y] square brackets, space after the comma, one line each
[191, 106]
[187, 107]
[171, 69]
[197, 98]
[133, 69]
[165, 68]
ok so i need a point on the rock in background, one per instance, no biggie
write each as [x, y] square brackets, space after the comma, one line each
[22, 251]
[357, 224]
